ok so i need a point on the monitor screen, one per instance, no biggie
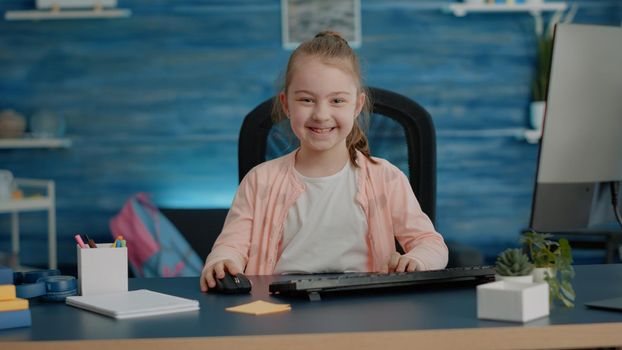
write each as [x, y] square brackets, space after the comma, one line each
[581, 147]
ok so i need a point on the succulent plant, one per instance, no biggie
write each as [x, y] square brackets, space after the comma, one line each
[513, 262]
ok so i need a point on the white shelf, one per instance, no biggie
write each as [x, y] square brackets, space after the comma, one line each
[46, 201]
[531, 136]
[65, 14]
[25, 204]
[461, 9]
[35, 143]
[48, 4]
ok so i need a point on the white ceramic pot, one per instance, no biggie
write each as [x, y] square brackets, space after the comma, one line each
[539, 273]
[516, 279]
[6, 185]
[536, 114]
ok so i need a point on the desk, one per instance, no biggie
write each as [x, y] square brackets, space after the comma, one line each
[428, 319]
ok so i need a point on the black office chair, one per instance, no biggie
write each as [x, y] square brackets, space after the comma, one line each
[396, 121]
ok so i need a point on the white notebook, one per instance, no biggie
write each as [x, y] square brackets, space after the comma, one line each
[136, 303]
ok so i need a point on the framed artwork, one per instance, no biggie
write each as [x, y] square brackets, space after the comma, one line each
[302, 19]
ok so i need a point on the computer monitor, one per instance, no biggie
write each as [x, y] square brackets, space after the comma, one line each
[581, 147]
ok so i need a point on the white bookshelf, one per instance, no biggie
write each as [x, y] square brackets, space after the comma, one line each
[534, 8]
[35, 143]
[45, 201]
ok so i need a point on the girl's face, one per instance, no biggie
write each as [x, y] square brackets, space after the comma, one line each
[322, 103]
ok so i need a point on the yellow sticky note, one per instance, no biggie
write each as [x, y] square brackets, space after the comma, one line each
[15, 304]
[259, 307]
[7, 292]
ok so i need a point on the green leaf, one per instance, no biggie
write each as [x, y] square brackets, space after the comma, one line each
[545, 252]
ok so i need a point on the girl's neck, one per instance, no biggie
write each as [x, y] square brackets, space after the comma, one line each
[320, 164]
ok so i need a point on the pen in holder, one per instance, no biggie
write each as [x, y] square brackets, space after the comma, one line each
[102, 270]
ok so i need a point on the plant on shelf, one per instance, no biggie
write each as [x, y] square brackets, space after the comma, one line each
[556, 260]
[513, 262]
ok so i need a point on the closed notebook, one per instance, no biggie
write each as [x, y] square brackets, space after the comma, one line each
[136, 303]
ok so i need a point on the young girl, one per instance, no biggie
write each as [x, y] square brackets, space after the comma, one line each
[328, 206]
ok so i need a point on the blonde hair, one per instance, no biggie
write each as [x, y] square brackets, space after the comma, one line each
[332, 49]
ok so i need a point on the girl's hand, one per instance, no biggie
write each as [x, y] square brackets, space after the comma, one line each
[209, 275]
[400, 263]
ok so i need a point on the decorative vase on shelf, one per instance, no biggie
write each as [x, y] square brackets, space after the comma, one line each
[45, 124]
[12, 124]
[6, 185]
[536, 114]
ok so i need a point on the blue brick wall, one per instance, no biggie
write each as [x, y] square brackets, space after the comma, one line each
[154, 103]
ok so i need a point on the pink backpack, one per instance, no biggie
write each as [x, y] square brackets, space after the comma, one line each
[155, 246]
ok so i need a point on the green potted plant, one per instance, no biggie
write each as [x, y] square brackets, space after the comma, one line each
[544, 41]
[514, 265]
[506, 300]
[553, 264]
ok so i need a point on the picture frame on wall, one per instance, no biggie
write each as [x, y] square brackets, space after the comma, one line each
[302, 19]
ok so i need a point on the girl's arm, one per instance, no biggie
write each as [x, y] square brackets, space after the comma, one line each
[413, 229]
[233, 243]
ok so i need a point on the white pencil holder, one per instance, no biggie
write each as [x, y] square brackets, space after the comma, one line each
[102, 270]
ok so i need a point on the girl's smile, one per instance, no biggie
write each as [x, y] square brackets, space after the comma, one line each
[321, 131]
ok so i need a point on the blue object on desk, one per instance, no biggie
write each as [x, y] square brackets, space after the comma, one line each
[33, 276]
[15, 319]
[57, 284]
[30, 290]
[6, 275]
[57, 288]
[47, 284]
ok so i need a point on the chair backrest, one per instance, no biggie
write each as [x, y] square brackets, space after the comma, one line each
[400, 130]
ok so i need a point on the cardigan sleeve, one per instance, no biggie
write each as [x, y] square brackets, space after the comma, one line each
[411, 226]
[233, 243]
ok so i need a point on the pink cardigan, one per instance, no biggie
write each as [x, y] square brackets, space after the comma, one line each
[253, 229]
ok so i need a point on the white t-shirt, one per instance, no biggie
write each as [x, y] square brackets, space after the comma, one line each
[326, 229]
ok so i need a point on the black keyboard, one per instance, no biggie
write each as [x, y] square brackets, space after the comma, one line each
[313, 285]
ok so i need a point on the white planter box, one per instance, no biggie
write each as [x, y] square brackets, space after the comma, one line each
[509, 301]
